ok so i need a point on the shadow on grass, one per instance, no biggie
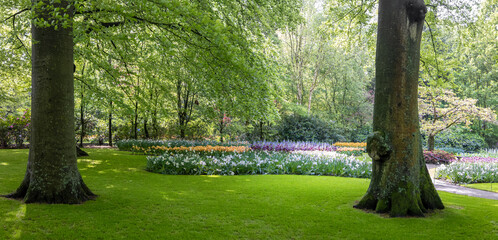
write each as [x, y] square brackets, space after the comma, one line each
[134, 203]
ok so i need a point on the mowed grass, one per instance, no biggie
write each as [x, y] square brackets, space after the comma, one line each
[491, 187]
[135, 204]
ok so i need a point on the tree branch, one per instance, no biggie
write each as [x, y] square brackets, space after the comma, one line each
[17, 13]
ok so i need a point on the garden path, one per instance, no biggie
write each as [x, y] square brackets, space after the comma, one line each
[452, 188]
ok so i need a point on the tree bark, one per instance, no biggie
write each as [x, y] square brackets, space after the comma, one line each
[400, 183]
[261, 135]
[52, 174]
[135, 122]
[82, 118]
[110, 124]
[430, 142]
[146, 130]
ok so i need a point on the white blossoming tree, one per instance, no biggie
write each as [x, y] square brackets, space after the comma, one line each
[440, 109]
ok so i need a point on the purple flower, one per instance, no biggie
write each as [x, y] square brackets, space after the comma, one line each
[288, 146]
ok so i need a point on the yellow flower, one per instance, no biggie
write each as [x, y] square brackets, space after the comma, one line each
[351, 144]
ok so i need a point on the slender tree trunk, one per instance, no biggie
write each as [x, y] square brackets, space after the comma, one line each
[400, 182]
[261, 135]
[135, 122]
[146, 130]
[52, 174]
[221, 130]
[82, 120]
[110, 124]
[430, 142]
[154, 123]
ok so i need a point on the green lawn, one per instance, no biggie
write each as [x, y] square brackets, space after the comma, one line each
[135, 204]
[492, 187]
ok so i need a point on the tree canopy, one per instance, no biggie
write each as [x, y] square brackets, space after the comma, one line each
[155, 69]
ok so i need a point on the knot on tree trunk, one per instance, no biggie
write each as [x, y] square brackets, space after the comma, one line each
[377, 147]
[416, 10]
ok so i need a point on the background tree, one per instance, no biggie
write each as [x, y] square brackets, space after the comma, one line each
[129, 58]
[441, 109]
[400, 182]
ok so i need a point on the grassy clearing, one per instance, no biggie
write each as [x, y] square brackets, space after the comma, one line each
[492, 187]
[136, 204]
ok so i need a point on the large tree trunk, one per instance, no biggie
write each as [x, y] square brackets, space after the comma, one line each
[400, 183]
[52, 174]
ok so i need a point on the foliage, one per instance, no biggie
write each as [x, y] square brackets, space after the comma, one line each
[440, 109]
[127, 145]
[258, 163]
[249, 67]
[438, 157]
[306, 128]
[460, 138]
[15, 128]
[452, 150]
[290, 146]
[359, 134]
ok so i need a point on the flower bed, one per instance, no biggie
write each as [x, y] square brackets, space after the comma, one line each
[289, 146]
[127, 145]
[258, 162]
[351, 151]
[156, 150]
[351, 144]
[470, 170]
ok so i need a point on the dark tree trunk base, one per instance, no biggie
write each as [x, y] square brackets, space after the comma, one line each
[74, 193]
[80, 153]
[413, 201]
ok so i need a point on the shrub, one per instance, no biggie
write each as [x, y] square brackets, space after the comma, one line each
[451, 150]
[438, 156]
[306, 128]
[460, 138]
[360, 134]
[15, 128]
[4, 132]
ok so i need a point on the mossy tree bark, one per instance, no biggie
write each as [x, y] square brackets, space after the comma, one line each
[52, 174]
[400, 184]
